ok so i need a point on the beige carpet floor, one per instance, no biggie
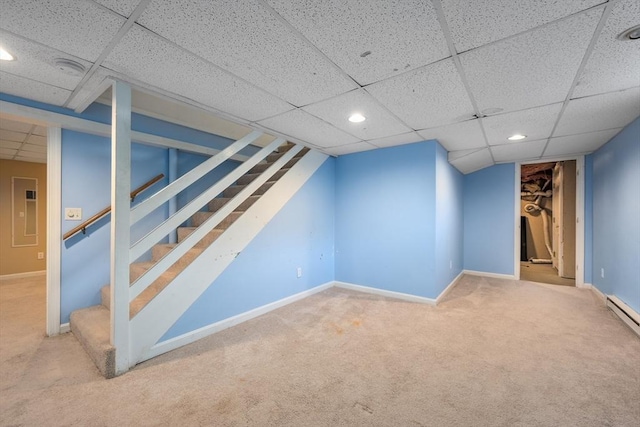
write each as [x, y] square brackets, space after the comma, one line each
[493, 353]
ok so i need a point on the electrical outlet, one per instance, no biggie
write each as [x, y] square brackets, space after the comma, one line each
[299, 272]
[602, 273]
[73, 214]
[40, 255]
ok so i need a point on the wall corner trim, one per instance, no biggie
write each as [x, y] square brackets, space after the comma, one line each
[487, 274]
[385, 293]
[22, 275]
[195, 335]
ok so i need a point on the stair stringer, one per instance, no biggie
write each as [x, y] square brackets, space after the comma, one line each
[155, 319]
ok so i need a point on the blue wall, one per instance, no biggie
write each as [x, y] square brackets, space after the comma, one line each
[489, 219]
[386, 219]
[86, 184]
[449, 220]
[616, 216]
[300, 235]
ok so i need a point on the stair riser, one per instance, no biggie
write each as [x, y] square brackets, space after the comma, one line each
[199, 218]
[208, 239]
[259, 168]
[246, 179]
[219, 202]
[159, 251]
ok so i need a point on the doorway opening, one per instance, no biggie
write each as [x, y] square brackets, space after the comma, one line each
[23, 222]
[548, 194]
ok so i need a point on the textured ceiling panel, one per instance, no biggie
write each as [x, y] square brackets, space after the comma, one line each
[458, 136]
[37, 62]
[123, 7]
[10, 135]
[246, 39]
[474, 161]
[32, 160]
[40, 130]
[428, 97]
[378, 124]
[477, 22]
[389, 141]
[613, 64]
[19, 86]
[575, 144]
[308, 128]
[453, 155]
[536, 123]
[518, 151]
[599, 112]
[80, 28]
[13, 125]
[350, 148]
[146, 57]
[533, 69]
[8, 152]
[37, 140]
[398, 36]
[34, 148]
[9, 145]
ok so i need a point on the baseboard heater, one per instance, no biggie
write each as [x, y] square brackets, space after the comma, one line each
[624, 312]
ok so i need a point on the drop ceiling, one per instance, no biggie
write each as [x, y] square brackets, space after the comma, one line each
[468, 73]
[22, 141]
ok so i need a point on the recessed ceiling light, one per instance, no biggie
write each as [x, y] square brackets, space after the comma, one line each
[516, 137]
[357, 118]
[6, 56]
[632, 33]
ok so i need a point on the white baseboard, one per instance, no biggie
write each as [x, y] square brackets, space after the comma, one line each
[190, 337]
[487, 274]
[601, 296]
[449, 287]
[385, 293]
[22, 275]
[624, 312]
[584, 285]
[64, 328]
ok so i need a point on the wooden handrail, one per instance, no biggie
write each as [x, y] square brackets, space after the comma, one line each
[83, 227]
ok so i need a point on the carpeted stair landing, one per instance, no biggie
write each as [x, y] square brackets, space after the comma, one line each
[92, 325]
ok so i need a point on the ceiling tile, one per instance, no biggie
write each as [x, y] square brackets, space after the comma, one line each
[458, 136]
[14, 125]
[428, 97]
[11, 145]
[599, 75]
[399, 36]
[530, 70]
[246, 39]
[30, 89]
[535, 123]
[123, 7]
[33, 148]
[391, 141]
[80, 28]
[473, 162]
[379, 123]
[350, 148]
[146, 57]
[37, 62]
[5, 156]
[37, 140]
[31, 154]
[477, 22]
[9, 135]
[599, 112]
[453, 155]
[579, 144]
[518, 151]
[40, 130]
[7, 151]
[308, 128]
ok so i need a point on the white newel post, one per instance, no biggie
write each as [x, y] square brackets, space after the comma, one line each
[120, 227]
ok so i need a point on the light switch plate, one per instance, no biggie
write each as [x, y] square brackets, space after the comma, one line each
[73, 214]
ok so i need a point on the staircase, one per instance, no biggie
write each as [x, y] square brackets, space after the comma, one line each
[92, 325]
